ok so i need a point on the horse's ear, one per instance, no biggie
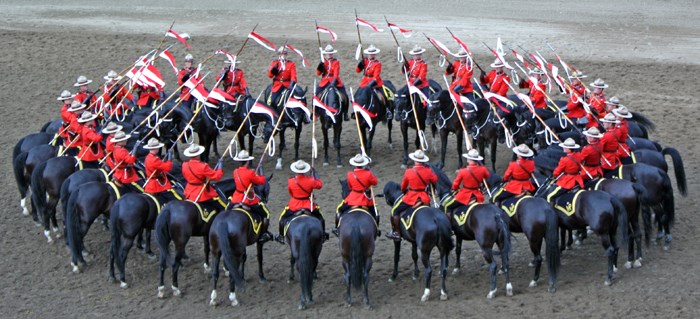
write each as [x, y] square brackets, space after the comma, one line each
[269, 178]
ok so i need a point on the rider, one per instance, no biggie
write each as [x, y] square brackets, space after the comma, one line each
[124, 171]
[577, 92]
[597, 99]
[66, 116]
[198, 176]
[183, 76]
[567, 174]
[621, 132]
[234, 82]
[110, 130]
[371, 69]
[115, 93]
[283, 74]
[157, 182]
[360, 180]
[497, 82]
[417, 70]
[517, 175]
[591, 155]
[609, 144]
[301, 187]
[537, 96]
[245, 178]
[415, 183]
[91, 150]
[468, 183]
[73, 113]
[462, 74]
[329, 70]
[84, 92]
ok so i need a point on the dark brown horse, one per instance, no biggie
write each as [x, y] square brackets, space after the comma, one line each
[336, 101]
[405, 105]
[379, 104]
[305, 237]
[446, 117]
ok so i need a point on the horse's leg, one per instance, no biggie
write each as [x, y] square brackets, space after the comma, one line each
[388, 127]
[404, 133]
[283, 145]
[608, 245]
[414, 255]
[241, 264]
[291, 267]
[458, 253]
[443, 148]
[261, 275]
[348, 284]
[371, 138]
[297, 134]
[337, 130]
[149, 252]
[325, 147]
[493, 153]
[505, 266]
[251, 140]
[493, 270]
[121, 260]
[54, 222]
[179, 252]
[444, 261]
[215, 277]
[162, 265]
[535, 248]
[397, 253]
[207, 269]
[368, 266]
[460, 140]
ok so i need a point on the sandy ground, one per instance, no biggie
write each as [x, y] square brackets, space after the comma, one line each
[644, 49]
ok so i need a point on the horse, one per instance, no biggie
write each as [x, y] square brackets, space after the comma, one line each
[230, 233]
[294, 117]
[177, 222]
[429, 228]
[357, 231]
[378, 106]
[23, 165]
[484, 130]
[446, 116]
[485, 225]
[404, 105]
[331, 118]
[305, 237]
[235, 114]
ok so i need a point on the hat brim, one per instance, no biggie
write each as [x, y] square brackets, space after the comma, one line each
[364, 162]
[122, 139]
[604, 86]
[76, 84]
[371, 52]
[330, 52]
[421, 51]
[199, 151]
[591, 135]
[72, 109]
[624, 116]
[243, 159]
[112, 79]
[116, 129]
[306, 168]
[583, 76]
[153, 147]
[419, 160]
[494, 65]
[93, 117]
[530, 153]
[229, 61]
[480, 158]
[573, 147]
[61, 98]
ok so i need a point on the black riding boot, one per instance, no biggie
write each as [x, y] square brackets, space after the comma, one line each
[395, 228]
[265, 235]
[335, 227]
[280, 234]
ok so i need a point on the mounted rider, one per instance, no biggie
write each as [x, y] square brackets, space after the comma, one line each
[518, 175]
[66, 116]
[597, 102]
[91, 151]
[497, 82]
[157, 169]
[110, 130]
[199, 176]
[360, 180]
[591, 156]
[621, 132]
[468, 182]
[577, 94]
[329, 70]
[283, 73]
[124, 171]
[462, 74]
[75, 128]
[417, 70]
[610, 146]
[116, 93]
[537, 88]
[567, 174]
[415, 185]
[84, 92]
[182, 76]
[233, 82]
[245, 178]
[301, 187]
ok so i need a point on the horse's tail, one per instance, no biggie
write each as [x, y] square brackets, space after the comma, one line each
[668, 203]
[18, 164]
[18, 148]
[229, 260]
[305, 263]
[552, 240]
[658, 146]
[73, 236]
[645, 132]
[39, 190]
[622, 223]
[357, 258]
[504, 235]
[444, 238]
[678, 169]
[643, 121]
[162, 233]
[643, 200]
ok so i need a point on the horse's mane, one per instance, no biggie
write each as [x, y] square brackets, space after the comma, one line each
[344, 187]
[392, 191]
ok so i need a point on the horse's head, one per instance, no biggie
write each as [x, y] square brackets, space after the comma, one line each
[300, 94]
[344, 188]
[392, 192]
[439, 101]
[521, 123]
[480, 108]
[402, 104]
[444, 185]
[263, 190]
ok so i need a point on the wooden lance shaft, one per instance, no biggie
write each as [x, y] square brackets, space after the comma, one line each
[362, 147]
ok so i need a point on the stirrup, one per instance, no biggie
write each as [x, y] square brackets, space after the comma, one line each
[265, 237]
[280, 239]
[335, 231]
[393, 235]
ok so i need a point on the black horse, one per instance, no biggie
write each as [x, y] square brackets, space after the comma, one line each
[305, 237]
[482, 223]
[379, 105]
[429, 228]
[331, 118]
[23, 165]
[405, 105]
[293, 117]
[257, 121]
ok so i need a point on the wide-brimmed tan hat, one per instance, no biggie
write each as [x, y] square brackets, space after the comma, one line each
[419, 156]
[622, 112]
[189, 58]
[570, 144]
[87, 117]
[610, 118]
[473, 155]
[111, 127]
[300, 167]
[523, 150]
[120, 136]
[593, 132]
[577, 75]
[112, 76]
[153, 144]
[497, 64]
[329, 50]
[282, 50]
[613, 101]
[416, 50]
[76, 106]
[360, 160]
[371, 50]
[599, 84]
[193, 150]
[462, 53]
[243, 156]
[65, 95]
[82, 80]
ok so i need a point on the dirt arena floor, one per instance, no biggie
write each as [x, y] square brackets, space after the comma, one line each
[645, 51]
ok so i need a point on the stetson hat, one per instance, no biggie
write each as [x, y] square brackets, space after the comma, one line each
[76, 106]
[416, 50]
[473, 155]
[523, 150]
[419, 156]
[65, 95]
[613, 101]
[243, 156]
[497, 63]
[153, 144]
[194, 150]
[112, 76]
[610, 118]
[82, 80]
[360, 160]
[593, 132]
[111, 127]
[462, 53]
[87, 117]
[570, 144]
[329, 50]
[599, 84]
[300, 167]
[120, 136]
[577, 75]
[189, 57]
[622, 112]
[371, 50]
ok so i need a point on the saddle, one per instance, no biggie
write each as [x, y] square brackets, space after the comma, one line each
[510, 205]
[593, 184]
[155, 201]
[567, 203]
[407, 216]
[204, 214]
[461, 214]
[292, 218]
[255, 221]
[358, 209]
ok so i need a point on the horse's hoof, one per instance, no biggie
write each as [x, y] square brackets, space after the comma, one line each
[533, 284]
[608, 282]
[426, 295]
[262, 280]
[391, 279]
[552, 289]
[227, 273]
[232, 299]
[443, 295]
[75, 268]
[628, 265]
[391, 146]
[491, 294]
[339, 166]
[85, 253]
[123, 285]
[302, 306]
[615, 269]
[403, 166]
[531, 264]
[500, 271]
[176, 292]
[161, 292]
[348, 304]
[637, 263]
[414, 278]
[509, 290]
[368, 307]
[207, 269]
[325, 164]
[456, 271]
[151, 255]
[38, 224]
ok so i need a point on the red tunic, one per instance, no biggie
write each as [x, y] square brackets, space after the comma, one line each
[621, 132]
[234, 82]
[300, 188]
[120, 93]
[74, 131]
[518, 175]
[372, 71]
[417, 69]
[196, 173]
[415, 184]
[471, 179]
[286, 74]
[590, 158]
[498, 83]
[569, 166]
[92, 149]
[332, 67]
[68, 118]
[462, 76]
[125, 172]
[597, 101]
[359, 181]
[574, 107]
[109, 157]
[82, 96]
[537, 95]
[146, 93]
[609, 146]
[157, 169]
[182, 77]
[245, 178]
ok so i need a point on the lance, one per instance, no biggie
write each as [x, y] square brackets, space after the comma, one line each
[200, 106]
[318, 37]
[358, 52]
[362, 146]
[314, 145]
[459, 116]
[421, 134]
[233, 139]
[441, 54]
[399, 55]
[470, 54]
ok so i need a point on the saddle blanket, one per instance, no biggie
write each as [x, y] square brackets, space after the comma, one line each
[510, 205]
[567, 203]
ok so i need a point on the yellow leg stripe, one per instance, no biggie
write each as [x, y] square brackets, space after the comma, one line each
[284, 211]
[267, 212]
[556, 190]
